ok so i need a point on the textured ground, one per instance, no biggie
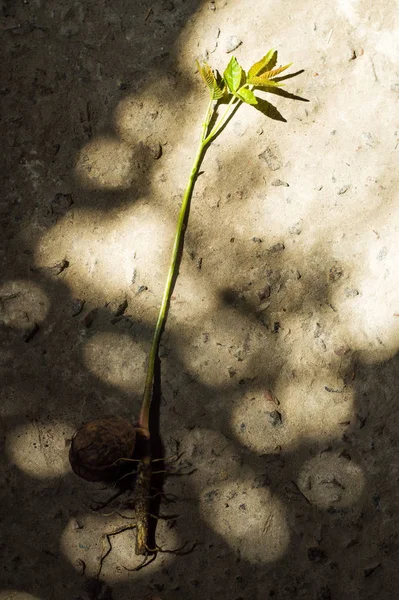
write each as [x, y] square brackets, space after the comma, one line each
[279, 360]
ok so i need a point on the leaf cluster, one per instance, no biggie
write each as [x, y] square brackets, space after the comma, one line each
[238, 83]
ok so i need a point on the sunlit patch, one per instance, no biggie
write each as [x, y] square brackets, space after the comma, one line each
[264, 425]
[250, 519]
[350, 10]
[112, 253]
[22, 304]
[40, 450]
[105, 163]
[369, 306]
[15, 595]
[255, 422]
[331, 480]
[83, 542]
[116, 359]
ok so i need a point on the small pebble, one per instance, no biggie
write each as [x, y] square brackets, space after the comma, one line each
[344, 189]
[351, 292]
[382, 253]
[277, 247]
[278, 182]
[76, 525]
[265, 293]
[342, 350]
[276, 327]
[345, 454]
[155, 150]
[368, 139]
[335, 273]
[270, 159]
[239, 354]
[295, 229]
[77, 307]
[232, 43]
[54, 270]
[61, 203]
[231, 371]
[209, 496]
[59, 267]
[275, 418]
[121, 308]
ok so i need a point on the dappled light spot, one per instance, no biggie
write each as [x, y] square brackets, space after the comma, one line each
[117, 360]
[113, 255]
[105, 163]
[266, 423]
[22, 304]
[83, 542]
[16, 595]
[39, 449]
[257, 422]
[369, 305]
[331, 480]
[250, 519]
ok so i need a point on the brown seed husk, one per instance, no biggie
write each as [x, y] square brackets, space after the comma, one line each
[98, 447]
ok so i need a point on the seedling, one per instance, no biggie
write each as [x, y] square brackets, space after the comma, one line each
[104, 449]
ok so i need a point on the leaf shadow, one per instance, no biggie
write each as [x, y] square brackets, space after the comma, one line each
[269, 110]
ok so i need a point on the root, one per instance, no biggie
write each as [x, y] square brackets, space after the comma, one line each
[107, 538]
[101, 505]
[147, 560]
[142, 505]
[176, 551]
[143, 521]
[124, 477]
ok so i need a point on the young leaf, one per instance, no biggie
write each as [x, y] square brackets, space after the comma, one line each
[270, 74]
[210, 80]
[267, 62]
[234, 75]
[262, 81]
[248, 96]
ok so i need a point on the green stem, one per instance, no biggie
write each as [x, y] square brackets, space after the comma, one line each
[219, 124]
[145, 409]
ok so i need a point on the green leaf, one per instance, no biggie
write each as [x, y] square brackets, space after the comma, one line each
[267, 62]
[248, 96]
[270, 74]
[264, 82]
[234, 75]
[208, 76]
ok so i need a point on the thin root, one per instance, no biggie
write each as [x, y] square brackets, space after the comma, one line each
[174, 458]
[124, 476]
[148, 559]
[176, 551]
[165, 497]
[101, 505]
[107, 537]
[163, 517]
